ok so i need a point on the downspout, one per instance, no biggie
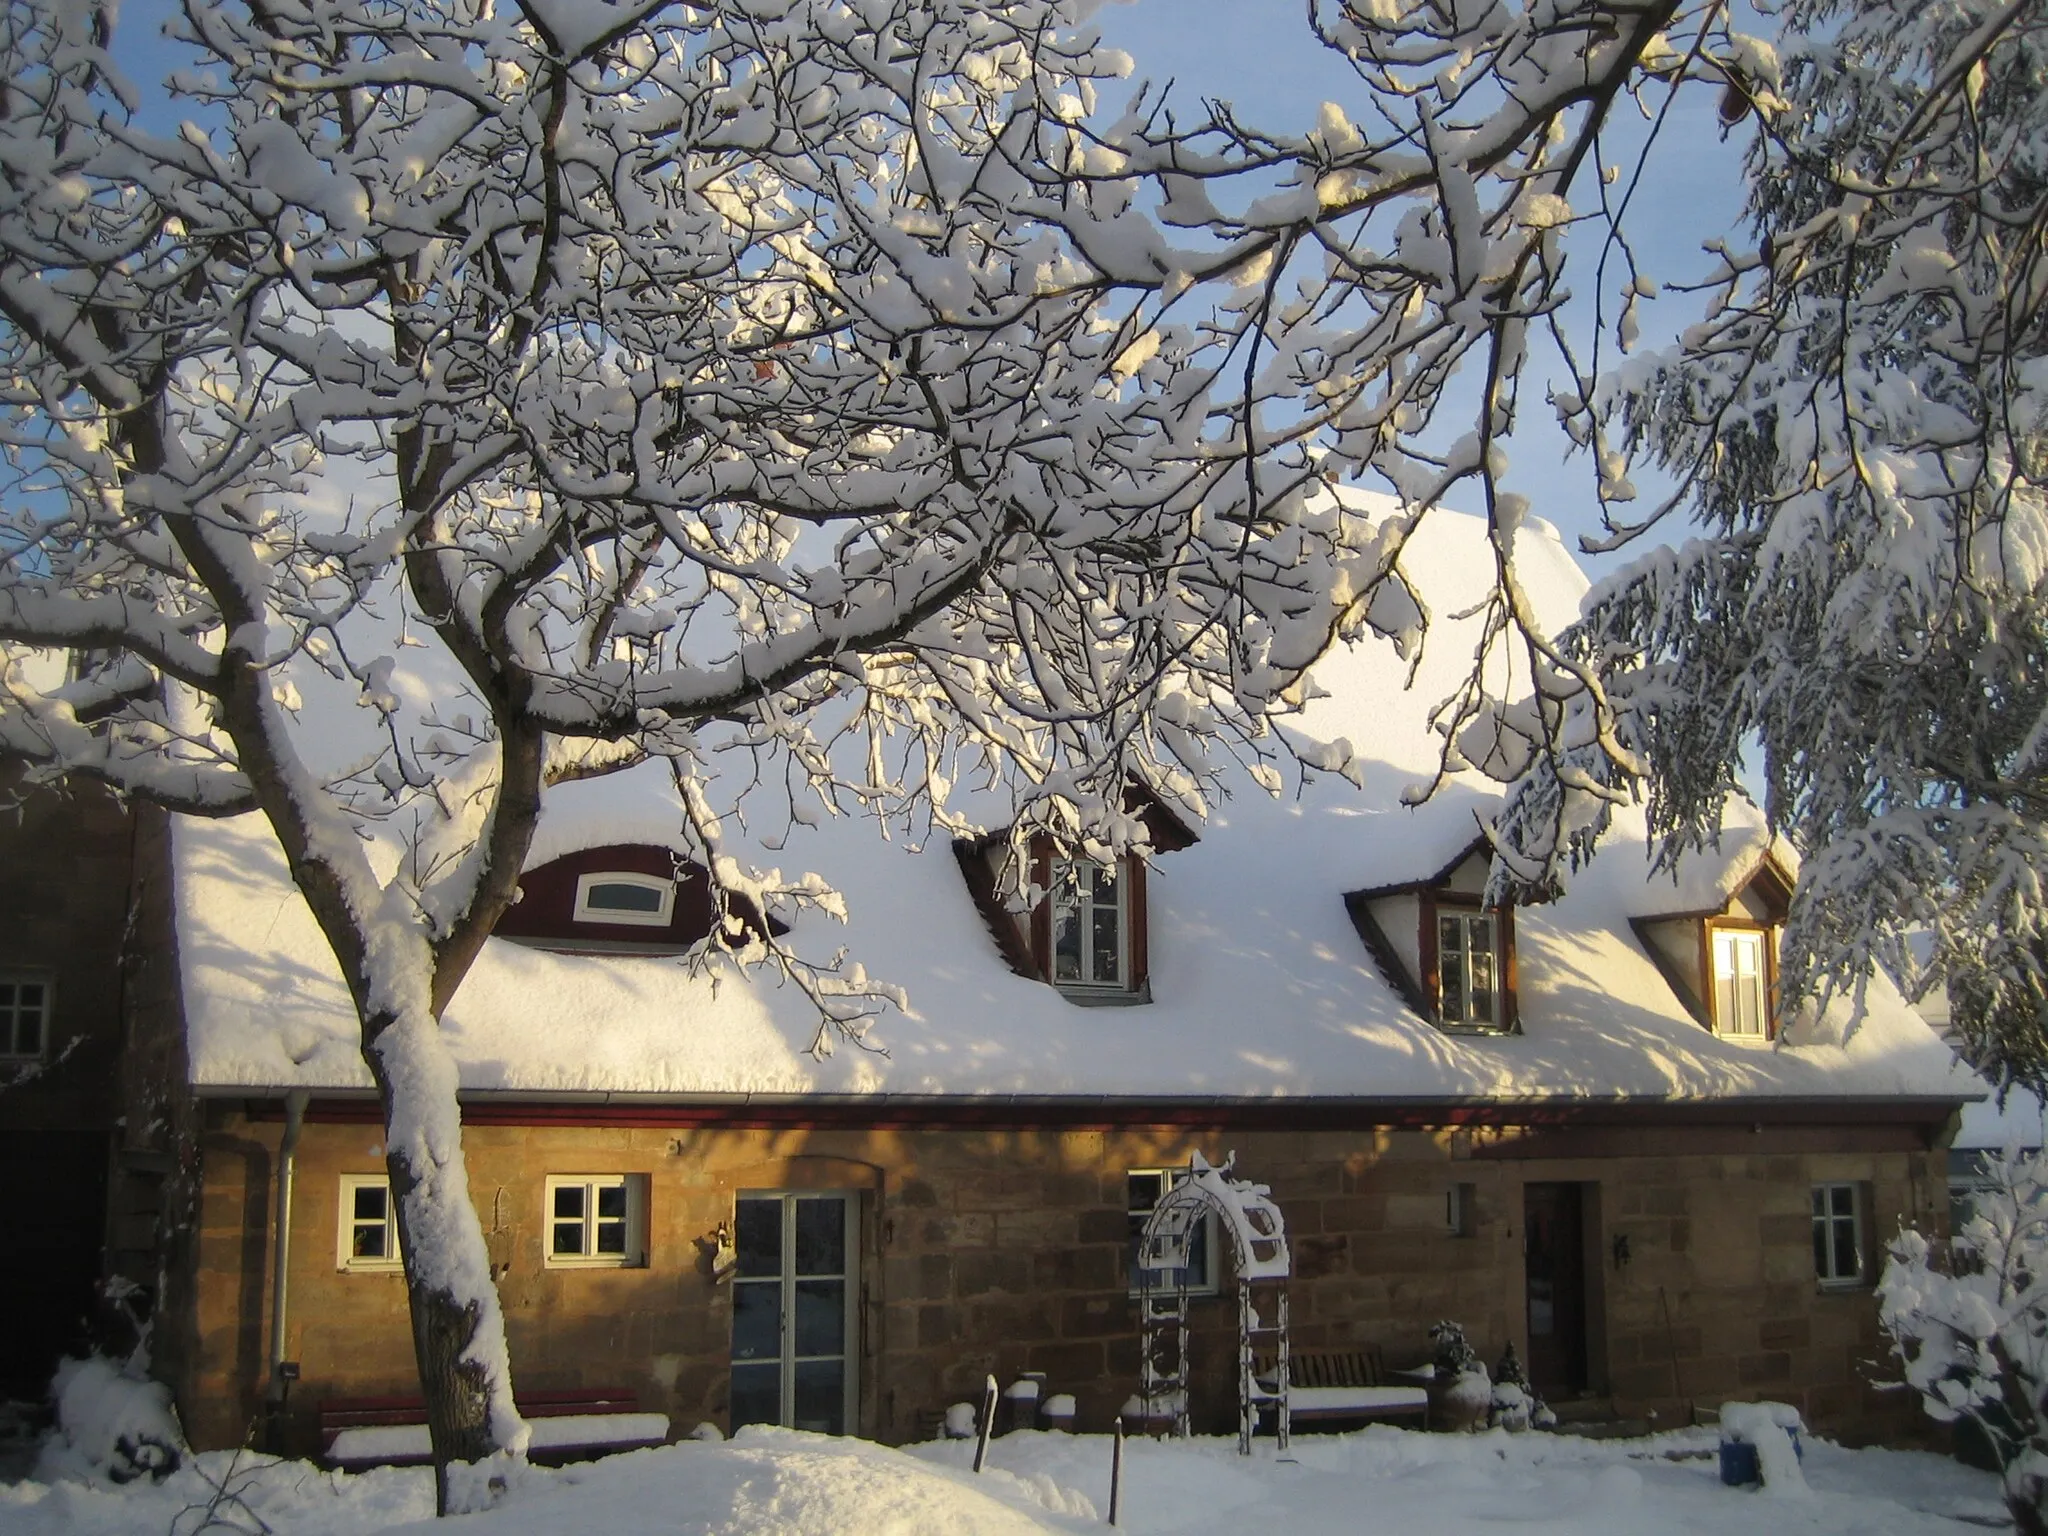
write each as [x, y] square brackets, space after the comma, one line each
[283, 1373]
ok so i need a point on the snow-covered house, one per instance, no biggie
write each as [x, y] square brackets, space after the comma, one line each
[1583, 1128]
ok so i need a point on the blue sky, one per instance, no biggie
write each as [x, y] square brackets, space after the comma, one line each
[1260, 56]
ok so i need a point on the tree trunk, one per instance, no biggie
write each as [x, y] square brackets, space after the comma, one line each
[456, 1386]
[458, 1326]
[2026, 1494]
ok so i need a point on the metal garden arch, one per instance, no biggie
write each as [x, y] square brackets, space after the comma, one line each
[1257, 1236]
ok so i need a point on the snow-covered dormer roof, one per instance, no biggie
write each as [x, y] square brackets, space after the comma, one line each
[1260, 987]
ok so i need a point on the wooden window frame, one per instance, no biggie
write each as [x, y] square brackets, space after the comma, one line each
[1768, 935]
[1507, 1009]
[634, 1255]
[11, 1015]
[346, 1259]
[1131, 878]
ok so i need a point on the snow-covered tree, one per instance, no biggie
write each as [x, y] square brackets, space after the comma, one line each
[471, 396]
[1856, 428]
[1970, 1324]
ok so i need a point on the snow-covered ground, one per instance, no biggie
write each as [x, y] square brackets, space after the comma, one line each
[781, 1483]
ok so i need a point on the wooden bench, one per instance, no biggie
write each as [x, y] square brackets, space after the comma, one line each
[1346, 1386]
[576, 1424]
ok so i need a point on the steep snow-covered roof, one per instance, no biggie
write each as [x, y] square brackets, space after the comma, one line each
[1260, 986]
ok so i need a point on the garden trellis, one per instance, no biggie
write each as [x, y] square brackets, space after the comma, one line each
[1260, 1267]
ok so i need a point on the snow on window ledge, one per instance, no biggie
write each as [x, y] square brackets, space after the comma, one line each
[1104, 997]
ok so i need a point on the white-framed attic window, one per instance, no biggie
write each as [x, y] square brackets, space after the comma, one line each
[596, 1221]
[621, 896]
[1091, 926]
[1468, 968]
[366, 1236]
[1741, 980]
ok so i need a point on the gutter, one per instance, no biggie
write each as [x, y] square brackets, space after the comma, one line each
[1078, 1111]
[283, 1372]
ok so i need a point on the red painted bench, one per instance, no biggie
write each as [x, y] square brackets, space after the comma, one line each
[574, 1424]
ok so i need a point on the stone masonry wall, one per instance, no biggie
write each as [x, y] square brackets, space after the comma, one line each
[990, 1251]
[64, 876]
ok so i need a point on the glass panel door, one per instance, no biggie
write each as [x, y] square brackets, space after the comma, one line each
[792, 1311]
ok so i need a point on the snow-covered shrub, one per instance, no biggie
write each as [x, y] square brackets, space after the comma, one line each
[114, 1421]
[1460, 1391]
[1516, 1406]
[1970, 1324]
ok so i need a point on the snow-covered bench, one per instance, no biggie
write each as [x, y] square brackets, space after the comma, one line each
[1348, 1386]
[573, 1425]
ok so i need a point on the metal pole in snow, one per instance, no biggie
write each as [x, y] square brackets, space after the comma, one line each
[1116, 1474]
[988, 1422]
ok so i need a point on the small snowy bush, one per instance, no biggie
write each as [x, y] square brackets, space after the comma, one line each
[115, 1422]
[1971, 1326]
[1516, 1406]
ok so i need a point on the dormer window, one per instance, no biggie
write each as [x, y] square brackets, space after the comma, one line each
[620, 896]
[1722, 963]
[625, 899]
[1468, 969]
[1450, 957]
[1090, 925]
[1742, 999]
[1087, 933]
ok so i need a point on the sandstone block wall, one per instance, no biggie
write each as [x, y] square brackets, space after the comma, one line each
[992, 1251]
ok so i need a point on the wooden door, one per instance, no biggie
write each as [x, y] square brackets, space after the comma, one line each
[1554, 1257]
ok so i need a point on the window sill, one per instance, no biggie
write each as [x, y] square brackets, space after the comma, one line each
[597, 1264]
[1858, 1286]
[1104, 997]
[1480, 1031]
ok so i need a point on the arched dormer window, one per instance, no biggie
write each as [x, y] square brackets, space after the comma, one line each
[623, 896]
[626, 898]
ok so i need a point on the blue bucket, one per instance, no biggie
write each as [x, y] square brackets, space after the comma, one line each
[1739, 1465]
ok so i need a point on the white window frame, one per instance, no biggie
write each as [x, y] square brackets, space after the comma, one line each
[1826, 1223]
[12, 1012]
[1469, 920]
[660, 917]
[633, 1255]
[345, 1256]
[789, 1278]
[1209, 1284]
[1727, 939]
[1084, 891]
